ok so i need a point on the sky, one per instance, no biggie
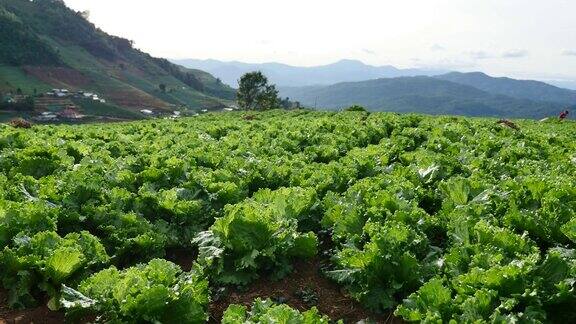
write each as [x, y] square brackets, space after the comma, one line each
[517, 38]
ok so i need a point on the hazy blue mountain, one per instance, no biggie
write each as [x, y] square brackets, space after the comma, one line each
[521, 89]
[419, 94]
[566, 84]
[287, 75]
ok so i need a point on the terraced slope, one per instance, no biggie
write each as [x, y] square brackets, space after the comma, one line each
[46, 45]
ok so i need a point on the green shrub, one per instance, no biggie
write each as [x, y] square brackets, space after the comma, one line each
[356, 108]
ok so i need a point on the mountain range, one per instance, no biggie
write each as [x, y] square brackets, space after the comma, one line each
[469, 94]
[46, 45]
[386, 88]
[284, 75]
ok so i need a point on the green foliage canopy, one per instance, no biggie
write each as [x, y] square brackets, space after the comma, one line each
[254, 92]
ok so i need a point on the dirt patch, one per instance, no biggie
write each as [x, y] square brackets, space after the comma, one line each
[182, 257]
[127, 96]
[37, 315]
[58, 76]
[303, 288]
[134, 98]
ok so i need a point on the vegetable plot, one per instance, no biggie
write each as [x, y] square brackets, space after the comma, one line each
[435, 219]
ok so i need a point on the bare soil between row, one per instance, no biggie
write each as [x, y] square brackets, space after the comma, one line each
[303, 288]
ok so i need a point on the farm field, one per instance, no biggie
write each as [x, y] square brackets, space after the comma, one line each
[289, 217]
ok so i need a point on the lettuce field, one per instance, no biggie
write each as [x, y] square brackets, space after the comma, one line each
[416, 218]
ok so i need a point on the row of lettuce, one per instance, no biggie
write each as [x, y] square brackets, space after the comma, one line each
[438, 219]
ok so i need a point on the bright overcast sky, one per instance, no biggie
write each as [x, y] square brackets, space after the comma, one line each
[520, 38]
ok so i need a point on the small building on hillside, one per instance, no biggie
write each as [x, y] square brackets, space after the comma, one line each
[175, 115]
[147, 112]
[46, 116]
[89, 95]
[70, 112]
[59, 93]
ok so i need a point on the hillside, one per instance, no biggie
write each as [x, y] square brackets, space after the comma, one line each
[295, 76]
[521, 89]
[46, 45]
[419, 94]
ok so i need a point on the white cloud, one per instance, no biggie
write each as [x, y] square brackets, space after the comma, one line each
[480, 55]
[369, 51]
[569, 53]
[515, 54]
[484, 55]
[437, 47]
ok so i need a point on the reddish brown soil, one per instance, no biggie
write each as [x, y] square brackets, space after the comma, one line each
[72, 79]
[135, 98]
[38, 315]
[64, 77]
[331, 299]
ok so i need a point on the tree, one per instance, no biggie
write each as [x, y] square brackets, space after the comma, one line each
[356, 108]
[193, 81]
[26, 105]
[286, 103]
[162, 87]
[254, 92]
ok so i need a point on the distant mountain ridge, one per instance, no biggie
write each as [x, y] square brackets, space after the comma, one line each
[421, 94]
[521, 89]
[46, 45]
[287, 75]
[500, 93]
